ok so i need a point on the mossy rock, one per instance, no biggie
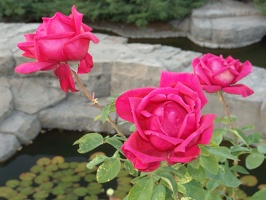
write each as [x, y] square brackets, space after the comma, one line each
[7, 192]
[43, 161]
[13, 183]
[58, 160]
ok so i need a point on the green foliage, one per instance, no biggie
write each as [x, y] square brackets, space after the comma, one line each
[261, 4]
[138, 12]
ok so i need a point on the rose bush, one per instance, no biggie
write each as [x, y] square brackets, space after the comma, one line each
[169, 125]
[216, 73]
[58, 40]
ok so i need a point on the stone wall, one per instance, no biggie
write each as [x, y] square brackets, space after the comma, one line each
[31, 102]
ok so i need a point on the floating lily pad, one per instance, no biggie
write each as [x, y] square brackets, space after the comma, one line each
[71, 197]
[18, 197]
[25, 183]
[81, 167]
[47, 186]
[73, 164]
[41, 194]
[262, 186]
[51, 167]
[58, 160]
[7, 192]
[80, 191]
[90, 177]
[249, 180]
[63, 165]
[91, 197]
[28, 176]
[36, 169]
[96, 154]
[28, 190]
[43, 161]
[94, 188]
[58, 190]
[12, 183]
[122, 173]
[124, 180]
[41, 178]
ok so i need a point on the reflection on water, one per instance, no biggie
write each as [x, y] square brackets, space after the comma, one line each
[255, 53]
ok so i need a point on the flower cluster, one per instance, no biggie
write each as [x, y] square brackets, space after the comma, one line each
[170, 129]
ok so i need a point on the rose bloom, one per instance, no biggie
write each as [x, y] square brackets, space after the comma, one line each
[216, 73]
[168, 121]
[58, 40]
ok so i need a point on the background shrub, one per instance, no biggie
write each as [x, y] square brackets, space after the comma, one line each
[139, 12]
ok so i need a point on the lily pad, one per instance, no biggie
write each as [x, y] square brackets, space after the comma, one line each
[91, 197]
[81, 167]
[80, 191]
[63, 165]
[262, 186]
[41, 178]
[47, 186]
[7, 192]
[96, 154]
[43, 161]
[12, 183]
[18, 197]
[90, 178]
[26, 190]
[94, 188]
[58, 190]
[41, 194]
[249, 180]
[28, 176]
[51, 167]
[58, 160]
[36, 169]
[25, 183]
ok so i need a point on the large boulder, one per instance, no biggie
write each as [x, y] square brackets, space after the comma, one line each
[8, 146]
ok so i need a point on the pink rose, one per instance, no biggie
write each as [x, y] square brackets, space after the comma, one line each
[168, 121]
[56, 41]
[216, 73]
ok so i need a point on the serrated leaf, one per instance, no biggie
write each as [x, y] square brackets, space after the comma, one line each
[195, 163]
[210, 164]
[89, 142]
[217, 136]
[142, 189]
[220, 151]
[239, 169]
[105, 112]
[159, 192]
[225, 178]
[115, 142]
[169, 179]
[108, 170]
[211, 185]
[130, 168]
[240, 135]
[254, 160]
[194, 190]
[97, 160]
[197, 174]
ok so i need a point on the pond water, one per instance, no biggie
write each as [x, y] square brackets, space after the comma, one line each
[255, 53]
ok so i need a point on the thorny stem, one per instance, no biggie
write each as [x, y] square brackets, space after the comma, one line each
[96, 103]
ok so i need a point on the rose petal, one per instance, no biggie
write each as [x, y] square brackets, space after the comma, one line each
[30, 67]
[85, 64]
[211, 88]
[144, 159]
[246, 69]
[123, 107]
[63, 73]
[239, 89]
[184, 157]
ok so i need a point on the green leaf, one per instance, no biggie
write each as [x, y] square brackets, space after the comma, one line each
[240, 135]
[260, 195]
[105, 112]
[225, 178]
[115, 142]
[194, 190]
[262, 147]
[108, 170]
[130, 168]
[169, 179]
[143, 189]
[210, 164]
[220, 151]
[247, 128]
[239, 169]
[97, 160]
[217, 136]
[254, 160]
[197, 174]
[254, 138]
[159, 192]
[211, 185]
[195, 163]
[89, 142]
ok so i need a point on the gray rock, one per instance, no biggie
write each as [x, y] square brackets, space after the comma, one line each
[6, 100]
[25, 127]
[8, 146]
[7, 62]
[35, 93]
[74, 113]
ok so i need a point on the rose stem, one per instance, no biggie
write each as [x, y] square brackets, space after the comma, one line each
[95, 102]
[220, 93]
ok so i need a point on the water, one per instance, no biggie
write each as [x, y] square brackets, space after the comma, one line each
[255, 53]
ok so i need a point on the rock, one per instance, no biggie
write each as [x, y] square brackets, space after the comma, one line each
[25, 127]
[75, 114]
[227, 24]
[6, 100]
[8, 146]
[7, 62]
[35, 93]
